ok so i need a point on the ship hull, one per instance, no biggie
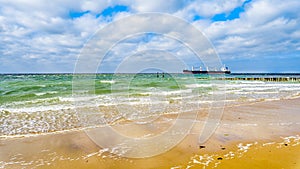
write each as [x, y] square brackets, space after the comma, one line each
[205, 72]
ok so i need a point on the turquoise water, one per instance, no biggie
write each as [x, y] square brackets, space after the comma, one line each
[41, 103]
[51, 88]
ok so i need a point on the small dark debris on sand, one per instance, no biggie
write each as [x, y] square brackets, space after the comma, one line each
[219, 158]
[201, 147]
[286, 144]
[223, 148]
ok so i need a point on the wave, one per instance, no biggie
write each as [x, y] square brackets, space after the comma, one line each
[29, 104]
[108, 81]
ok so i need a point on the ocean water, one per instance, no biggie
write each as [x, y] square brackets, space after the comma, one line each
[45, 103]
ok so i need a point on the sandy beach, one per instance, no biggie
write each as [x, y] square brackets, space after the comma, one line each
[250, 135]
[183, 84]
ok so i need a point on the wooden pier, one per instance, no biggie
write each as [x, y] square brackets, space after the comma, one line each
[266, 79]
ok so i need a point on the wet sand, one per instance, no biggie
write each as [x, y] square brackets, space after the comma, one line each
[250, 135]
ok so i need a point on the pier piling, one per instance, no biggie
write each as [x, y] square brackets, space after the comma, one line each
[266, 79]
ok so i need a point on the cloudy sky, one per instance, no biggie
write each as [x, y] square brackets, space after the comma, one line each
[248, 35]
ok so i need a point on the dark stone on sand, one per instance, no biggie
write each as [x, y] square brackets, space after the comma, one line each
[201, 147]
[223, 148]
[286, 144]
[220, 158]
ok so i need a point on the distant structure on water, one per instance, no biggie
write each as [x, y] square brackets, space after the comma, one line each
[222, 70]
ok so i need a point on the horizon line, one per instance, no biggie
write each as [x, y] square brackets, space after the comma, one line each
[235, 73]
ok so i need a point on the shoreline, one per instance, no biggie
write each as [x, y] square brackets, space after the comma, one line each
[280, 152]
[228, 104]
[261, 123]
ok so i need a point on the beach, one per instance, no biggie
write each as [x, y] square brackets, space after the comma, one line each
[148, 85]
[261, 134]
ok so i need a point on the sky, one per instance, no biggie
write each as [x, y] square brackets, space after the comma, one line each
[40, 36]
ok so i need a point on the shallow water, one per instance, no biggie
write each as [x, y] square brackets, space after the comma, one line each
[41, 103]
[240, 129]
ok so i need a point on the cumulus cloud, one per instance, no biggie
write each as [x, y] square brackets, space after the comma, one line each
[181, 32]
[41, 35]
[265, 28]
[157, 52]
[169, 6]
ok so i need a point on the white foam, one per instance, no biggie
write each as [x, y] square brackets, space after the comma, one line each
[247, 124]
[108, 81]
[251, 82]
[198, 85]
[167, 93]
[44, 93]
[289, 89]
[256, 88]
[244, 148]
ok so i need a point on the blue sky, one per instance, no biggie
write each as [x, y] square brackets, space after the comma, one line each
[249, 36]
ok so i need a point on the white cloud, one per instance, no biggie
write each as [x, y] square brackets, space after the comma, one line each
[265, 28]
[39, 31]
[168, 6]
[181, 31]
[95, 6]
[207, 8]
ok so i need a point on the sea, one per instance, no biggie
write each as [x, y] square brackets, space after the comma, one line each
[32, 104]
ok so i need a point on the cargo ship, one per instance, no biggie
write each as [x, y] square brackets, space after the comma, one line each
[223, 70]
